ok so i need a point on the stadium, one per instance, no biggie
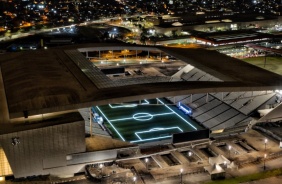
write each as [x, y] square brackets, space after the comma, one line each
[53, 98]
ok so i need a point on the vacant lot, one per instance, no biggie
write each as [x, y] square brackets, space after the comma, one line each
[273, 64]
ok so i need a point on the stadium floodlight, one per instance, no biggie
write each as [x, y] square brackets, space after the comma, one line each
[184, 108]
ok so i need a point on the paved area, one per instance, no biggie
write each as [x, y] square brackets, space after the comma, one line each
[272, 180]
[193, 171]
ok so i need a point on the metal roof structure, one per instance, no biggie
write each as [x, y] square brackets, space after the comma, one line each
[232, 37]
[54, 80]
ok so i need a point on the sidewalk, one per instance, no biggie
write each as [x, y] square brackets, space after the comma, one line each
[271, 164]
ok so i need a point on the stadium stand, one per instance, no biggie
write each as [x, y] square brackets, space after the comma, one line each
[221, 110]
[198, 75]
[96, 128]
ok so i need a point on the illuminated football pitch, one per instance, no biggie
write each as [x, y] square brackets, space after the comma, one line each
[146, 121]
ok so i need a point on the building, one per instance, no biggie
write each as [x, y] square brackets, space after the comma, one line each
[41, 92]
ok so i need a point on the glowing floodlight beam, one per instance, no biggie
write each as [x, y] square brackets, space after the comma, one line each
[178, 115]
[184, 108]
[110, 123]
[155, 130]
[129, 105]
[138, 118]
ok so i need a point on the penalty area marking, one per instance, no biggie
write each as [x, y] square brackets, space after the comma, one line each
[178, 115]
[155, 130]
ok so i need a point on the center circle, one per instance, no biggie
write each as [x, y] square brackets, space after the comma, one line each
[142, 116]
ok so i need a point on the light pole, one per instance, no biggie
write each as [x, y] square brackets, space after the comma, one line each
[189, 155]
[181, 171]
[264, 60]
[225, 164]
[101, 167]
[146, 161]
[265, 142]
[134, 179]
[264, 162]
[229, 148]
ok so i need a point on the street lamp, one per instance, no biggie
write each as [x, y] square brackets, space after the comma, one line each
[101, 167]
[189, 155]
[134, 179]
[265, 142]
[181, 171]
[264, 59]
[146, 161]
[163, 63]
[264, 162]
[229, 148]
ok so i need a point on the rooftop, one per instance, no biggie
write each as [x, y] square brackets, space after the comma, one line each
[47, 81]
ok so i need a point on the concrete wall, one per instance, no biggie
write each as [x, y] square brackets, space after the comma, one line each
[90, 157]
[41, 149]
[5, 168]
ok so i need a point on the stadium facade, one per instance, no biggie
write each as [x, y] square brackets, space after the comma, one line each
[43, 93]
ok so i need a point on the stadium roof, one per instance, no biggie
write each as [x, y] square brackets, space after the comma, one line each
[232, 37]
[46, 81]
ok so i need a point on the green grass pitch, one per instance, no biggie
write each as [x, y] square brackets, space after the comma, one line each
[151, 121]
